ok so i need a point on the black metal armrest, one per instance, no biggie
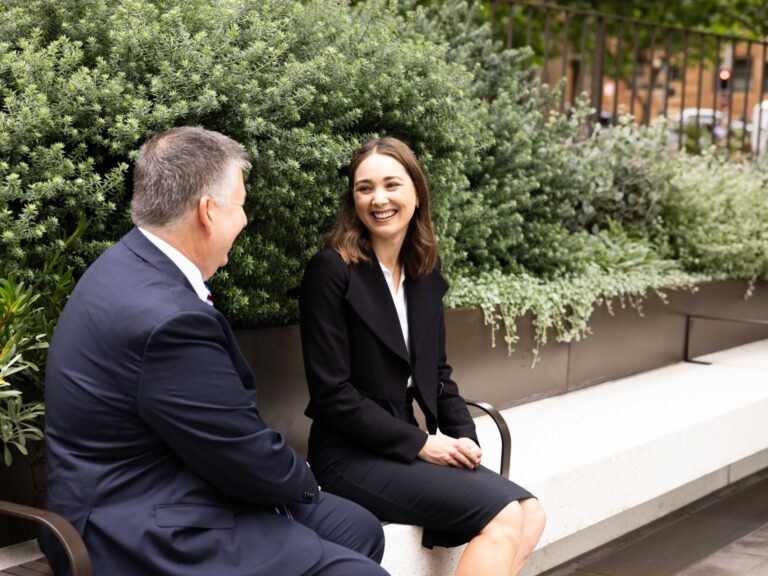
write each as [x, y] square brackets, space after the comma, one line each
[501, 424]
[77, 553]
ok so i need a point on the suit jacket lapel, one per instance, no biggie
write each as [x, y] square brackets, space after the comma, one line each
[144, 249]
[424, 296]
[369, 296]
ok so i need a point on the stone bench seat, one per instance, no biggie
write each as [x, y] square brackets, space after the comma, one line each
[610, 458]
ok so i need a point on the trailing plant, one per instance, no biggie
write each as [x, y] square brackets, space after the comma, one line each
[619, 267]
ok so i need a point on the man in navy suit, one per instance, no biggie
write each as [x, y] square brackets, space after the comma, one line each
[157, 453]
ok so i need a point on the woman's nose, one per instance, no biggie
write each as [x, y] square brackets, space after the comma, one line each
[380, 196]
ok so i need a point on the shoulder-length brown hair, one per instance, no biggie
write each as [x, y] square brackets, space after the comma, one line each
[350, 238]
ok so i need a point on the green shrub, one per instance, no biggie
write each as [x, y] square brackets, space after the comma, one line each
[300, 85]
[630, 177]
[22, 339]
[716, 215]
[527, 189]
[524, 196]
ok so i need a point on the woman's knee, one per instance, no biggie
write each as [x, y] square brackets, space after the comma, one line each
[507, 525]
[534, 517]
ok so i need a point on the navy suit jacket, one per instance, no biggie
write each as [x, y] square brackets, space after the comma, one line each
[156, 450]
[357, 364]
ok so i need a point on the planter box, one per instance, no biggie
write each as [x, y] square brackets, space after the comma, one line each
[621, 344]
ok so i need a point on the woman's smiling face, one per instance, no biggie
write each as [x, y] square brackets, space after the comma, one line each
[385, 198]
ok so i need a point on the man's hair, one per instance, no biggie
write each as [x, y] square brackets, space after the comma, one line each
[350, 237]
[176, 168]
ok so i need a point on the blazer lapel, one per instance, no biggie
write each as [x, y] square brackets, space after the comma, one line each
[424, 296]
[369, 296]
[144, 249]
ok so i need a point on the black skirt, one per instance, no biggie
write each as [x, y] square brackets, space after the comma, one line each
[452, 504]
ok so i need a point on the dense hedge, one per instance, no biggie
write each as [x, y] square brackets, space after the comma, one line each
[520, 189]
[300, 85]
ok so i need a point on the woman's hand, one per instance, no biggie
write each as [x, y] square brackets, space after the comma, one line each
[446, 451]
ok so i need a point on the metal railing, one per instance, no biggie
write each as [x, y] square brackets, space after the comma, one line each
[630, 66]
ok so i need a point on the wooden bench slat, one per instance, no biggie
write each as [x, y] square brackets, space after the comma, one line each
[40, 565]
[23, 571]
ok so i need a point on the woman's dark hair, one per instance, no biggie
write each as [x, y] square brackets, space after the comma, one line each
[350, 237]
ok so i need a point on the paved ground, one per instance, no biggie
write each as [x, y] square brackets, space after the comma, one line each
[724, 534]
[748, 556]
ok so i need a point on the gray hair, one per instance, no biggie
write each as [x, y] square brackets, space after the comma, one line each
[176, 168]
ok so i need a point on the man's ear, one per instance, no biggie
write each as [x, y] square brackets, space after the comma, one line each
[204, 213]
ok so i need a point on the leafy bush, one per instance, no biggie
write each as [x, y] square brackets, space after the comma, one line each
[527, 189]
[21, 322]
[630, 177]
[549, 216]
[716, 215]
[300, 85]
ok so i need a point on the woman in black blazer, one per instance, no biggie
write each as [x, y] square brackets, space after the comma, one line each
[373, 338]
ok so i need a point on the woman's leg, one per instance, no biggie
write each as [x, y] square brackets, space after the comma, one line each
[505, 544]
[452, 504]
[534, 520]
[493, 551]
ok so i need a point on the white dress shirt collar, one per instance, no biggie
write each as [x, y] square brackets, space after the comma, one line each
[187, 267]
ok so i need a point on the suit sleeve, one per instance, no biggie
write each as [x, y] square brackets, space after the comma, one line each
[453, 418]
[191, 395]
[325, 342]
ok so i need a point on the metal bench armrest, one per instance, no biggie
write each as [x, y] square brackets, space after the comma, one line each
[73, 544]
[501, 424]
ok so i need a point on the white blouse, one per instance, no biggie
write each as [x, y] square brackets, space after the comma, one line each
[398, 297]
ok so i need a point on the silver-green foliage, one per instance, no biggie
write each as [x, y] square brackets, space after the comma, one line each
[716, 215]
[630, 176]
[616, 267]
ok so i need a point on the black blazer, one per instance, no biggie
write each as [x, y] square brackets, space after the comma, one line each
[357, 364]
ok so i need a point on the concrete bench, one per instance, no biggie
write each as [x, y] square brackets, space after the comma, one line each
[608, 459]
